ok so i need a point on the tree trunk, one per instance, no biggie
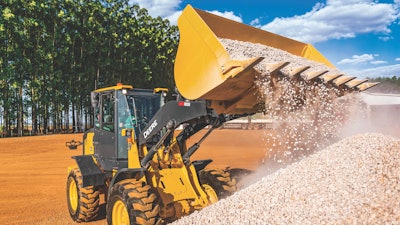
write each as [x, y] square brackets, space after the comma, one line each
[6, 128]
[34, 118]
[66, 119]
[73, 118]
[46, 120]
[20, 113]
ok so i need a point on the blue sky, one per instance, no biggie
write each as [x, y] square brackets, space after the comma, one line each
[360, 37]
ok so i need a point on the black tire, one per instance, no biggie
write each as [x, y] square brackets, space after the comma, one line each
[137, 199]
[220, 180]
[83, 202]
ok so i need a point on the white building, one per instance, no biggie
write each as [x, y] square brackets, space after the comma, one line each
[384, 109]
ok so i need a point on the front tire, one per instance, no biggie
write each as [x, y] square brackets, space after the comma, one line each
[132, 202]
[220, 180]
[83, 202]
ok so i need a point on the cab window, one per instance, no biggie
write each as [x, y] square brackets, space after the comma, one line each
[107, 112]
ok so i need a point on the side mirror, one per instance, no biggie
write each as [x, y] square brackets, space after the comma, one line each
[94, 99]
[73, 145]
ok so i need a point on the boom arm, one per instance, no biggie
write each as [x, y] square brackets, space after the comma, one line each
[194, 114]
[177, 111]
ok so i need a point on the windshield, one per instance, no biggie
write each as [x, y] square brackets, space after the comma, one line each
[141, 109]
[135, 109]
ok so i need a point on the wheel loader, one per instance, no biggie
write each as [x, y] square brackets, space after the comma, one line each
[135, 159]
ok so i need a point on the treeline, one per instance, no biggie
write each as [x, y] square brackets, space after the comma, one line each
[54, 52]
[387, 85]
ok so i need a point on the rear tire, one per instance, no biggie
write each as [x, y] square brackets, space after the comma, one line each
[220, 180]
[132, 202]
[83, 202]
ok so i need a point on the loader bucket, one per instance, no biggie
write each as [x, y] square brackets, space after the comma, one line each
[205, 70]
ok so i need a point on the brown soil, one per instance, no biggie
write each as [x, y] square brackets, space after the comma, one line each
[33, 171]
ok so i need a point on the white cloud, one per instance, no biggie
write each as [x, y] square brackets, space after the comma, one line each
[173, 19]
[381, 71]
[356, 59]
[227, 14]
[377, 62]
[162, 8]
[168, 9]
[255, 22]
[337, 19]
[397, 59]
[385, 38]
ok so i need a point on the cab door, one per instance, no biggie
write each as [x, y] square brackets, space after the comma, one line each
[104, 131]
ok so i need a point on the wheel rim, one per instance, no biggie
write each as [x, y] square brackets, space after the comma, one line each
[120, 214]
[212, 195]
[73, 195]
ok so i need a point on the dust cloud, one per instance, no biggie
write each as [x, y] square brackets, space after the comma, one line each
[308, 114]
[294, 140]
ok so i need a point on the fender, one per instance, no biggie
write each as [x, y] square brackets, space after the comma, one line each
[91, 173]
[126, 173]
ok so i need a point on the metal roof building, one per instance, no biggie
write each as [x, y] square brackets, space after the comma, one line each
[374, 99]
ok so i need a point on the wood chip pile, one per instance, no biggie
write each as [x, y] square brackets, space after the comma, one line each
[354, 181]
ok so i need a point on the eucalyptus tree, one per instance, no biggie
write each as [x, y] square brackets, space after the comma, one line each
[54, 52]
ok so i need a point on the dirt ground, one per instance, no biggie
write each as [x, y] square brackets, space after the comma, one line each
[33, 171]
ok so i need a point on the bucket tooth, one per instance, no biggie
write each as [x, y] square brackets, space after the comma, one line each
[295, 73]
[274, 70]
[342, 80]
[314, 75]
[276, 67]
[237, 80]
[233, 67]
[365, 86]
[355, 82]
[330, 77]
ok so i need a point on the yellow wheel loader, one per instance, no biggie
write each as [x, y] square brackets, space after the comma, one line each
[135, 159]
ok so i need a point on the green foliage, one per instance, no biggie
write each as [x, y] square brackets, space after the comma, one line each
[54, 52]
[388, 85]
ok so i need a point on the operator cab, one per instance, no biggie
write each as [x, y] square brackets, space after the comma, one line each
[117, 108]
